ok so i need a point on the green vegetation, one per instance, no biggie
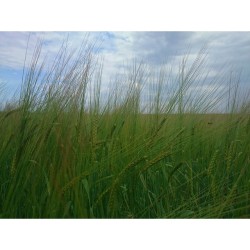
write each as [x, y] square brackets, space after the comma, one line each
[154, 148]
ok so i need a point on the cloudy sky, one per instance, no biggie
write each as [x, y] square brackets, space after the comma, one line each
[116, 48]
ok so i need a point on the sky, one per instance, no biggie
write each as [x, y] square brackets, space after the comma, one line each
[230, 50]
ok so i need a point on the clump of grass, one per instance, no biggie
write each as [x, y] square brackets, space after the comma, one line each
[153, 149]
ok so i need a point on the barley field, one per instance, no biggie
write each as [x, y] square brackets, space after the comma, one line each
[151, 147]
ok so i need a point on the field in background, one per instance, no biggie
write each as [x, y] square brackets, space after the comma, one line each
[66, 153]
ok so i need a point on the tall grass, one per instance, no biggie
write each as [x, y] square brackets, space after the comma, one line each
[152, 147]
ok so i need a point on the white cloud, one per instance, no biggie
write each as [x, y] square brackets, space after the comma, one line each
[13, 45]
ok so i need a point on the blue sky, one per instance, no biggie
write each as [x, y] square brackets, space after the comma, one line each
[225, 48]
